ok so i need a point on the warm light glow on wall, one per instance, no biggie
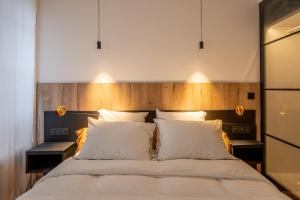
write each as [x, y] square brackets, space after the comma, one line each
[198, 77]
[103, 78]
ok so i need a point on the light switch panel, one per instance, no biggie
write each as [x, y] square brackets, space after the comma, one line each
[251, 95]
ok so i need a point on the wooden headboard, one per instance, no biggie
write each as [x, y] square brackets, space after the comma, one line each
[146, 96]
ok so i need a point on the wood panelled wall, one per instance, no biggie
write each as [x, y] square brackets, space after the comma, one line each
[145, 96]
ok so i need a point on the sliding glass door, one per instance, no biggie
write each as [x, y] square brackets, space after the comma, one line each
[280, 74]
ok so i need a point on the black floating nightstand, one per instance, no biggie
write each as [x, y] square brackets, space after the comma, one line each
[46, 156]
[250, 151]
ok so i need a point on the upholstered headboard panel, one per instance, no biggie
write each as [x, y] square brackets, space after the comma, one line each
[147, 96]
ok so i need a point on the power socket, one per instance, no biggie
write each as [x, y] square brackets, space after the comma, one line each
[59, 131]
[242, 129]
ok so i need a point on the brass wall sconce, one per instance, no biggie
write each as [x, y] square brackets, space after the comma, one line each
[239, 110]
[61, 111]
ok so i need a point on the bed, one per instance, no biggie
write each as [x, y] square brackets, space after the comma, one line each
[173, 179]
[162, 178]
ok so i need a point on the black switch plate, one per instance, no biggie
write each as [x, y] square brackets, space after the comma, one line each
[59, 131]
[251, 95]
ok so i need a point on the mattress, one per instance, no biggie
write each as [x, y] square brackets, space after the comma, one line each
[160, 180]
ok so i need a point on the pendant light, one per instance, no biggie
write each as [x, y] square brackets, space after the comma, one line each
[99, 42]
[201, 43]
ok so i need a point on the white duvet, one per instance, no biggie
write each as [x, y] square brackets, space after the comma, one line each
[159, 180]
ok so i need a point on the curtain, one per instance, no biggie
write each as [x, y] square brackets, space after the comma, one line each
[17, 93]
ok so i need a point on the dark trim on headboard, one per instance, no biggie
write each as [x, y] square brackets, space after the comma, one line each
[237, 127]
[71, 121]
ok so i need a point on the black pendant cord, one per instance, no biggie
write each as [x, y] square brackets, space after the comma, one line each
[201, 43]
[98, 41]
[201, 22]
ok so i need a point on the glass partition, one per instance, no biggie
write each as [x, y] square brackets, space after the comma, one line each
[280, 76]
[283, 115]
[287, 26]
[282, 63]
[283, 164]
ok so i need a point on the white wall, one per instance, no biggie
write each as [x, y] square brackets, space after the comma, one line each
[148, 40]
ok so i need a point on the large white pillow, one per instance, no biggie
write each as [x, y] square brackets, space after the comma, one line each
[112, 116]
[191, 140]
[184, 116]
[117, 141]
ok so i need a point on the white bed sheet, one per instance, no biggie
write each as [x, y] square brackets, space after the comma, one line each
[147, 180]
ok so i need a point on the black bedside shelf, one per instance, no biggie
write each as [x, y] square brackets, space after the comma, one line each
[46, 156]
[250, 151]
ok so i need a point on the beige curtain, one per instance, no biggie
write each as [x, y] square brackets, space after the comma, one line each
[17, 93]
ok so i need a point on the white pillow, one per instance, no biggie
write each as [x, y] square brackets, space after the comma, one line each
[184, 116]
[191, 140]
[112, 116]
[118, 141]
